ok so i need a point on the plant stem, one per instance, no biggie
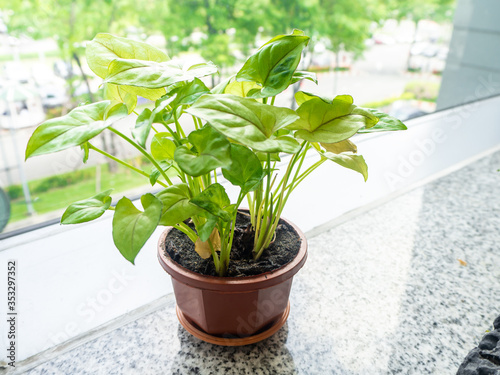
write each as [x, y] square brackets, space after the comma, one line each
[125, 164]
[184, 228]
[144, 152]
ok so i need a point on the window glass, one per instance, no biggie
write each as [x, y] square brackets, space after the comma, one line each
[406, 57]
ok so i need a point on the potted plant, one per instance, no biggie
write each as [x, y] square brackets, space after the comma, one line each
[238, 135]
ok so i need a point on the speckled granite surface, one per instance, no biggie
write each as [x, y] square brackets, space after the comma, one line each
[384, 293]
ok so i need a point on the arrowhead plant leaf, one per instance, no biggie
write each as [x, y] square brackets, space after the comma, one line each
[176, 204]
[118, 94]
[241, 88]
[349, 160]
[154, 75]
[211, 150]
[206, 229]
[300, 75]
[87, 209]
[274, 64]
[133, 227]
[105, 48]
[247, 121]
[214, 199]
[302, 97]
[330, 122]
[188, 93]
[385, 122]
[340, 147]
[162, 146]
[155, 172]
[77, 127]
[245, 169]
[142, 127]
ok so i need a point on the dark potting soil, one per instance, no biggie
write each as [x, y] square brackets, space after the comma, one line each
[283, 249]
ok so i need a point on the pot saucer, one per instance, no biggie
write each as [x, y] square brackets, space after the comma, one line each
[224, 341]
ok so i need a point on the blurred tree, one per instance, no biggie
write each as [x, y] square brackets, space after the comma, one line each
[68, 22]
[215, 28]
[418, 10]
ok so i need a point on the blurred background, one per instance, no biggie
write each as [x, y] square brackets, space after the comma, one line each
[386, 54]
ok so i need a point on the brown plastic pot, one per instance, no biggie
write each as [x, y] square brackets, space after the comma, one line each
[232, 310]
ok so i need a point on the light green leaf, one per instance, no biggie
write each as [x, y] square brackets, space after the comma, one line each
[118, 94]
[339, 147]
[214, 200]
[345, 98]
[77, 127]
[212, 150]
[299, 75]
[155, 172]
[349, 160]
[385, 122]
[328, 123]
[221, 87]
[176, 204]
[188, 93]
[105, 48]
[142, 127]
[205, 230]
[247, 121]
[162, 146]
[155, 75]
[87, 209]
[245, 169]
[132, 227]
[241, 88]
[274, 63]
[302, 97]
[86, 149]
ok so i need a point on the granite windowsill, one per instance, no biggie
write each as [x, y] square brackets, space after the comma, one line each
[385, 292]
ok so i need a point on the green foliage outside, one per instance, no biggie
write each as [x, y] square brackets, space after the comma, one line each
[57, 192]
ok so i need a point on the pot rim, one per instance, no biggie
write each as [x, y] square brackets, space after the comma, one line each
[233, 284]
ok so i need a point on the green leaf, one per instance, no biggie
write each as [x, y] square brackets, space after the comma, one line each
[205, 230]
[274, 63]
[86, 149]
[339, 147]
[221, 87]
[105, 48]
[87, 209]
[214, 199]
[301, 97]
[245, 169]
[132, 227]
[189, 93]
[275, 156]
[385, 122]
[77, 127]
[247, 121]
[349, 160]
[142, 127]
[241, 88]
[154, 75]
[212, 150]
[300, 75]
[118, 94]
[328, 123]
[155, 172]
[162, 146]
[176, 204]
